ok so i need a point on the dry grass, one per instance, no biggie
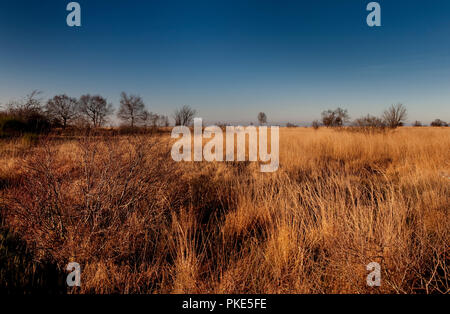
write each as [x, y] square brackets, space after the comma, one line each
[138, 222]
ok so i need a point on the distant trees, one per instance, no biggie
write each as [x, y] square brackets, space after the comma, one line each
[316, 124]
[147, 118]
[369, 124]
[392, 117]
[184, 115]
[369, 121]
[132, 109]
[439, 122]
[164, 121]
[262, 118]
[154, 120]
[32, 115]
[335, 118]
[95, 109]
[395, 116]
[62, 108]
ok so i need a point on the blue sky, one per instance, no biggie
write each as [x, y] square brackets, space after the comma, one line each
[230, 59]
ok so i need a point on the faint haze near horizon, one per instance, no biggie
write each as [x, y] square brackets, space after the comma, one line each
[231, 59]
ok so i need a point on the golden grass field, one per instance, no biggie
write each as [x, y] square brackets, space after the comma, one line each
[137, 222]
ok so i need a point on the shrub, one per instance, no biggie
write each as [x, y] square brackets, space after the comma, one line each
[335, 118]
[369, 124]
[11, 126]
[15, 125]
[316, 124]
[110, 205]
[438, 122]
[37, 123]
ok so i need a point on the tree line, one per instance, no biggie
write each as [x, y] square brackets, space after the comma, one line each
[393, 117]
[33, 114]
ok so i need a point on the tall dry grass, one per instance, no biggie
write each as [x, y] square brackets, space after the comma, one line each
[138, 222]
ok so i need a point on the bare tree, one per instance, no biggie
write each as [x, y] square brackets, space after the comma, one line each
[132, 109]
[154, 119]
[145, 118]
[417, 123]
[149, 118]
[184, 115]
[395, 116]
[95, 109]
[164, 121]
[62, 108]
[335, 118]
[262, 118]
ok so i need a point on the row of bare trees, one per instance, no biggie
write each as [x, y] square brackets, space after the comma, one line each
[93, 111]
[89, 109]
[133, 112]
[96, 110]
[393, 117]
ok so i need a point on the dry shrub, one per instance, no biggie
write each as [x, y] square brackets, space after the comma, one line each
[96, 201]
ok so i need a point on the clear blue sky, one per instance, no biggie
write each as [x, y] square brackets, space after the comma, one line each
[230, 59]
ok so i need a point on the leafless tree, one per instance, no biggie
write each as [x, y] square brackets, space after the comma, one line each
[154, 120]
[95, 109]
[145, 118]
[149, 118]
[417, 123]
[164, 121]
[184, 115]
[62, 108]
[262, 118]
[395, 116]
[132, 109]
[335, 118]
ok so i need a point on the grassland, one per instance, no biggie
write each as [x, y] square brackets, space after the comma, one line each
[137, 222]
